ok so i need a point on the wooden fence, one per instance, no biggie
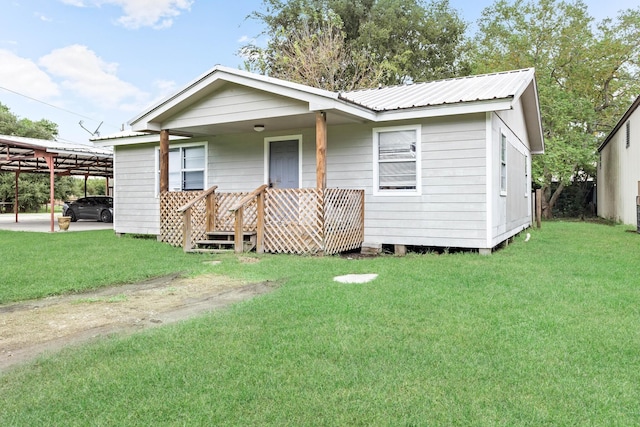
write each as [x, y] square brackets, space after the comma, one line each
[297, 221]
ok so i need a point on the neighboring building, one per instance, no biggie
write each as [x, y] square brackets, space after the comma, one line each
[618, 184]
[442, 164]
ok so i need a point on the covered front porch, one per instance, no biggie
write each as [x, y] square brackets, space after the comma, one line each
[316, 220]
[295, 221]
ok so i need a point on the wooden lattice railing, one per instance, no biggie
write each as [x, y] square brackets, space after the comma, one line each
[298, 221]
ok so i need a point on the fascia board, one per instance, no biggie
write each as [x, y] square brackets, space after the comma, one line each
[446, 110]
[133, 140]
[344, 107]
[267, 84]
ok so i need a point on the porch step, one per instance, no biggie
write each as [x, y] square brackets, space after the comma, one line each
[220, 241]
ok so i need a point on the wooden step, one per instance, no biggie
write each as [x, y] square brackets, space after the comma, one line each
[208, 251]
[225, 240]
[230, 234]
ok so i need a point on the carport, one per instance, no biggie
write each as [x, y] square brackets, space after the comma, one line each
[29, 155]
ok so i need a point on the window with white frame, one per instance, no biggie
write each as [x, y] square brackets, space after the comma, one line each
[503, 164]
[187, 168]
[397, 159]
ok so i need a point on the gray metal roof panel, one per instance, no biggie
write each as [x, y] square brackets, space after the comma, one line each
[440, 92]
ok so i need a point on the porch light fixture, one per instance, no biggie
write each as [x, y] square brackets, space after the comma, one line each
[258, 128]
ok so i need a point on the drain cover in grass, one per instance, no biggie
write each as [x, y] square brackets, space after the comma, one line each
[355, 278]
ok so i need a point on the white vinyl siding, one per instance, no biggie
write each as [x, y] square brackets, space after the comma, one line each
[234, 103]
[135, 201]
[450, 210]
[397, 160]
[619, 173]
[510, 211]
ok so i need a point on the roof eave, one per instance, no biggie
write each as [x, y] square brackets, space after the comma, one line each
[634, 106]
[133, 140]
[446, 110]
[144, 122]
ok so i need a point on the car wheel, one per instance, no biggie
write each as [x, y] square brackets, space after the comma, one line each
[71, 214]
[105, 216]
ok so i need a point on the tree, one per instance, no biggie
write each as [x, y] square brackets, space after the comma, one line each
[34, 188]
[587, 76]
[344, 44]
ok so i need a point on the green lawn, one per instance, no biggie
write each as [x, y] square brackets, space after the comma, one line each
[540, 333]
[36, 265]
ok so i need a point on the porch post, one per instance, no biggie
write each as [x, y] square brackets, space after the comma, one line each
[164, 160]
[321, 149]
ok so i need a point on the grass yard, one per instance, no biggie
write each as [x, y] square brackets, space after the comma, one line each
[540, 333]
[36, 265]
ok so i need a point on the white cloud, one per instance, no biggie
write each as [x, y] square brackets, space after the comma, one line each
[91, 78]
[77, 3]
[24, 76]
[157, 14]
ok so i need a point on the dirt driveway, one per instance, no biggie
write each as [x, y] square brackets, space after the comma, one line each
[31, 328]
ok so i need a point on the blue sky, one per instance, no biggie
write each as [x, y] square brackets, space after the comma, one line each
[106, 60]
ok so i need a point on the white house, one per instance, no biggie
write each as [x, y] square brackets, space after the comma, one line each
[442, 164]
[619, 169]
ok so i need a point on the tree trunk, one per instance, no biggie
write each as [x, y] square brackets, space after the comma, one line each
[547, 205]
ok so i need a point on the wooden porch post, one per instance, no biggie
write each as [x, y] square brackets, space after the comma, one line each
[321, 150]
[164, 160]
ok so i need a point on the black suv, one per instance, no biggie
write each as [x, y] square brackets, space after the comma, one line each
[99, 208]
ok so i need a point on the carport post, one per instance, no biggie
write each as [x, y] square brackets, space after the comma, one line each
[15, 200]
[48, 157]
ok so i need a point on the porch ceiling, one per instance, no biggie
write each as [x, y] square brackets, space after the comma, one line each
[275, 124]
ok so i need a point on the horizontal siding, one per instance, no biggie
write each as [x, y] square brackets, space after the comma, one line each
[452, 208]
[136, 206]
[236, 162]
[235, 103]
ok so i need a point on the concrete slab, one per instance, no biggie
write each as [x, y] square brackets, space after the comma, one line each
[41, 222]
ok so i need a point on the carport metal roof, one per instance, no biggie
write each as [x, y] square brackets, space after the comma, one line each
[29, 155]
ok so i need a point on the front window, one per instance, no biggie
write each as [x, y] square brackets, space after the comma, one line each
[187, 166]
[396, 161]
[503, 164]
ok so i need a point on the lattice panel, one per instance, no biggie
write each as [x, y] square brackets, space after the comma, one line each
[171, 221]
[343, 220]
[299, 221]
[293, 221]
[225, 220]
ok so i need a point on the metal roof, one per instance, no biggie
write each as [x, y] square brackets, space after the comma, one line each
[485, 87]
[620, 123]
[27, 155]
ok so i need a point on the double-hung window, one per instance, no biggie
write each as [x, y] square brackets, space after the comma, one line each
[397, 160]
[187, 166]
[503, 165]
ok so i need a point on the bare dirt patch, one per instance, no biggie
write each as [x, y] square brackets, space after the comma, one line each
[31, 328]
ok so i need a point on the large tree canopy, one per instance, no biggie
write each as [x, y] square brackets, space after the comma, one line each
[587, 76]
[349, 44]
